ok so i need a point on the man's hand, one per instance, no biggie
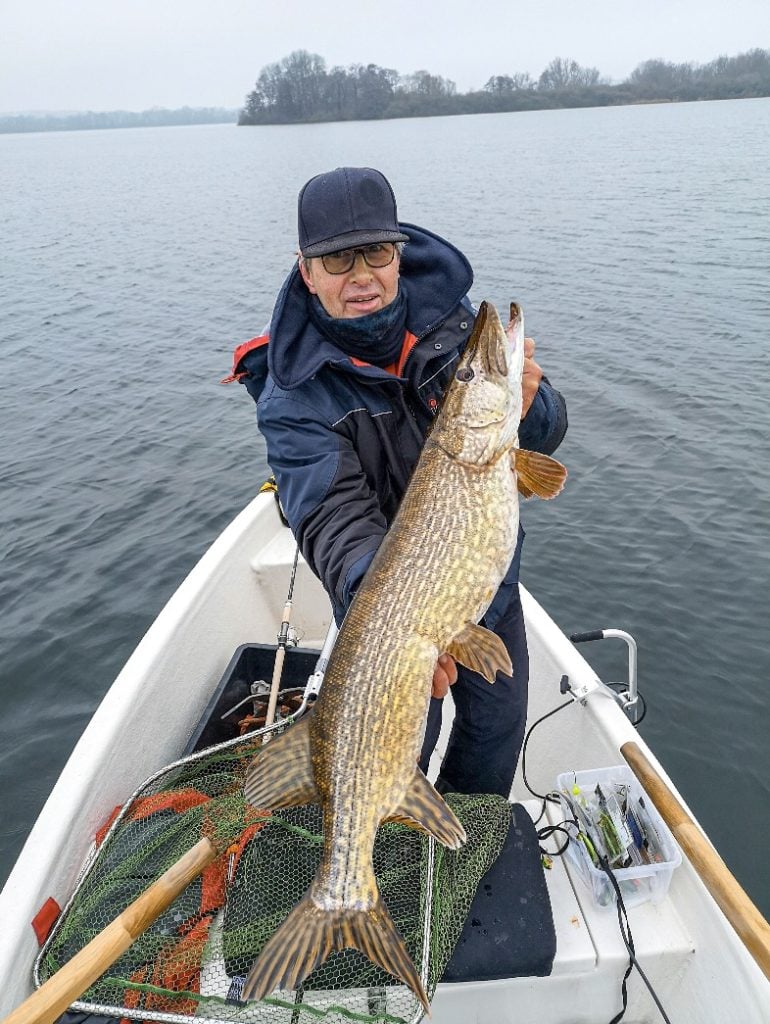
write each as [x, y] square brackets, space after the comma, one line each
[530, 377]
[531, 374]
[444, 675]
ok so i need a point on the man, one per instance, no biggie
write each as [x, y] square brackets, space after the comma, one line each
[363, 340]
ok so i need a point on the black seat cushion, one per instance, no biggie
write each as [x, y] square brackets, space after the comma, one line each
[509, 930]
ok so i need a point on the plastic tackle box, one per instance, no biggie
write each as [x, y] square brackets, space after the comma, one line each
[639, 882]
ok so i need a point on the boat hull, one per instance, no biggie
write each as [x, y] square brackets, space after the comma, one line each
[235, 595]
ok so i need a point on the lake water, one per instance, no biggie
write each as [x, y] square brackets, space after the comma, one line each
[637, 240]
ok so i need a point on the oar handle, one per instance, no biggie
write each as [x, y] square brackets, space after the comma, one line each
[743, 915]
[68, 984]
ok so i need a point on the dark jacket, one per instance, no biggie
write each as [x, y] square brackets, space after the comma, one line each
[343, 436]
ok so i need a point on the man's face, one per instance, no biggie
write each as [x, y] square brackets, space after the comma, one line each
[359, 291]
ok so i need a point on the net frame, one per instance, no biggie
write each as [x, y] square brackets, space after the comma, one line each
[246, 1013]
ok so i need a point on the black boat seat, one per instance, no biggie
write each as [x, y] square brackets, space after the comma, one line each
[509, 931]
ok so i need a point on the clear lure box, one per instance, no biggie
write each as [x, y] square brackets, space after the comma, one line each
[620, 815]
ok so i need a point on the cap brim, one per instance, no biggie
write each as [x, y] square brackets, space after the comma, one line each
[353, 238]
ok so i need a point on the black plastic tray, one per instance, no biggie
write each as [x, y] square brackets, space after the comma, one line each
[249, 663]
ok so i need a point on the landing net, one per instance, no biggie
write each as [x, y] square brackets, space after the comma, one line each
[191, 963]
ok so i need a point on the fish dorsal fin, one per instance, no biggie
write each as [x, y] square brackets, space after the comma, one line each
[481, 651]
[537, 473]
[281, 775]
[424, 809]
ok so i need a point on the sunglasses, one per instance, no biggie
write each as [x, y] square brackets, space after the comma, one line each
[378, 254]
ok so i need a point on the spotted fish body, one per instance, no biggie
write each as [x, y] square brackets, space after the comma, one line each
[430, 582]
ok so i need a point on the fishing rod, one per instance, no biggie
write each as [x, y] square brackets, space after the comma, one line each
[312, 687]
[309, 694]
[280, 654]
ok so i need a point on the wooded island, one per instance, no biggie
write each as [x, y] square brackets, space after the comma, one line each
[299, 88]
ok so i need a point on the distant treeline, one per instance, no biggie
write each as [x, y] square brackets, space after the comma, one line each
[299, 88]
[115, 119]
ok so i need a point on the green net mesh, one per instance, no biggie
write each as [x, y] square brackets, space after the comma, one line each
[190, 964]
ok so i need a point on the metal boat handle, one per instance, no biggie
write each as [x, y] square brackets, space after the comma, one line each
[628, 698]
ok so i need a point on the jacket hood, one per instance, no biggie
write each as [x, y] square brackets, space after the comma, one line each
[434, 275]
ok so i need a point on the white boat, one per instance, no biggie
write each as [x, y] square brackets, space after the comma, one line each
[695, 961]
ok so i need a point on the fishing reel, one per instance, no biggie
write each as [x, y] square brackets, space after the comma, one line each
[288, 636]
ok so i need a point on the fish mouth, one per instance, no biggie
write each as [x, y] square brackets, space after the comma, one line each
[487, 342]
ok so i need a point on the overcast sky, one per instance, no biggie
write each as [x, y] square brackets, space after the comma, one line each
[136, 54]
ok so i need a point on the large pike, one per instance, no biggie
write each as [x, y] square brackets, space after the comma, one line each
[432, 579]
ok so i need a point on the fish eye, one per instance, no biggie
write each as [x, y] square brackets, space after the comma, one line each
[465, 373]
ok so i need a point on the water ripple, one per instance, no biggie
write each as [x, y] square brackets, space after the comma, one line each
[637, 240]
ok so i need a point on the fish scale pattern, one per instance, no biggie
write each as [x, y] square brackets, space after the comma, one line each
[386, 697]
[434, 574]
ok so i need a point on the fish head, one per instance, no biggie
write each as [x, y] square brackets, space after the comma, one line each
[479, 417]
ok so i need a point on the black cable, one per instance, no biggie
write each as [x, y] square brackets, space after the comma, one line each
[547, 831]
[636, 722]
[625, 931]
[549, 797]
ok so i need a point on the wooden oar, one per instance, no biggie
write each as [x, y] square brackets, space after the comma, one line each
[68, 984]
[743, 915]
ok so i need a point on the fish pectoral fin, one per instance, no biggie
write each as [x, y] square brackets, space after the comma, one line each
[537, 473]
[481, 651]
[424, 809]
[522, 488]
[281, 775]
[310, 933]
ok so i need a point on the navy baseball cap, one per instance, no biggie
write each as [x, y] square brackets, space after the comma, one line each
[346, 207]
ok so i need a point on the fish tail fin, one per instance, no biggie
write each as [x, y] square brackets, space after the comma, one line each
[374, 932]
[308, 936]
